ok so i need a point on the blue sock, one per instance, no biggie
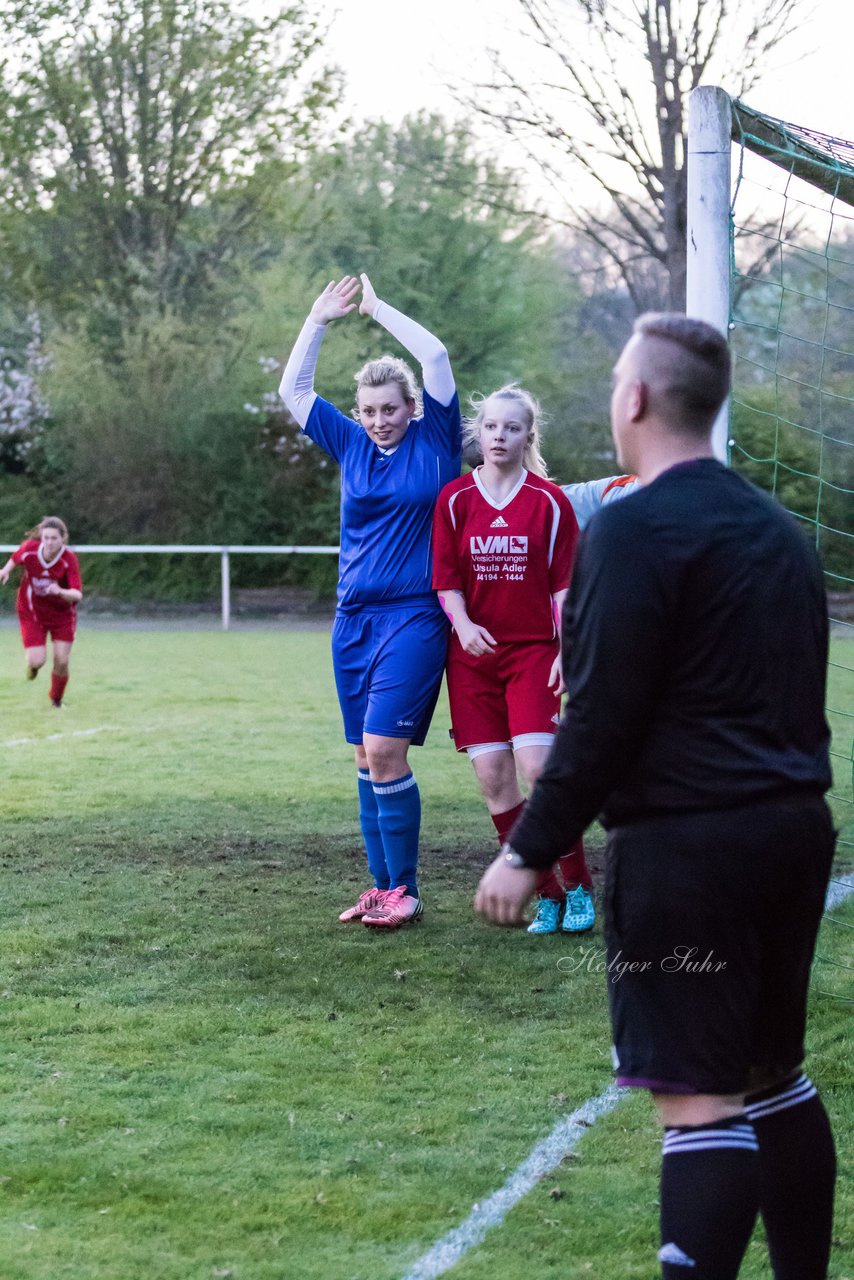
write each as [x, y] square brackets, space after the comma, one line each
[399, 805]
[370, 823]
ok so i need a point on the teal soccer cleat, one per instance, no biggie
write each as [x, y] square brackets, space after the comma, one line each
[547, 918]
[580, 913]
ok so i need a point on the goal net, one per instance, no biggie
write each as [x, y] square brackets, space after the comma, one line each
[791, 426]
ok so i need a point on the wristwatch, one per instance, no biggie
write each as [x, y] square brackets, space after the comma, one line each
[511, 857]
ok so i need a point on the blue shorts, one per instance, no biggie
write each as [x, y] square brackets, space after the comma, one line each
[388, 661]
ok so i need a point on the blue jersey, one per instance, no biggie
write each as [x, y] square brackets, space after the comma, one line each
[387, 500]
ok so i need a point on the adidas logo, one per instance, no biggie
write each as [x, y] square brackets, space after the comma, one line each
[498, 523]
[673, 1254]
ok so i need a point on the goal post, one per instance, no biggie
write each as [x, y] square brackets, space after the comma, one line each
[708, 237]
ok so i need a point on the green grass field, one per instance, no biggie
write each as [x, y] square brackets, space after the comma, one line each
[203, 1075]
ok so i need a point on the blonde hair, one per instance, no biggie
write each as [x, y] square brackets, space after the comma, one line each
[531, 415]
[388, 369]
[48, 522]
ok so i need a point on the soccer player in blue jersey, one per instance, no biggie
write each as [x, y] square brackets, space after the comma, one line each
[390, 636]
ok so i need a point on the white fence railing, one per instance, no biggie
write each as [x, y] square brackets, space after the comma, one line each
[215, 549]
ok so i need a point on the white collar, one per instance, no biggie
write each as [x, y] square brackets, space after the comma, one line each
[498, 506]
[48, 563]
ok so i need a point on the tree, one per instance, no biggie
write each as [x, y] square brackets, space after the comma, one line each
[139, 140]
[612, 101]
[176, 433]
[444, 234]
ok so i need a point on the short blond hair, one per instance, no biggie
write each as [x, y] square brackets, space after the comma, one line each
[386, 370]
[531, 415]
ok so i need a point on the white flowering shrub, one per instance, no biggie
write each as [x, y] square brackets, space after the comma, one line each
[23, 408]
[280, 434]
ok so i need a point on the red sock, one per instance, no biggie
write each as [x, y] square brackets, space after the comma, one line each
[548, 886]
[504, 822]
[57, 687]
[573, 867]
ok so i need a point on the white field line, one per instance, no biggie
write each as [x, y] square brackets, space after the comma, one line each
[545, 1157]
[106, 728]
[838, 890]
[52, 737]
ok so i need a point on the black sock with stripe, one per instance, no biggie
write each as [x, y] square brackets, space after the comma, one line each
[797, 1173]
[709, 1199]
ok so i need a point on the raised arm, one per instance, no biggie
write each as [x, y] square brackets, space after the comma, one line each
[297, 385]
[420, 342]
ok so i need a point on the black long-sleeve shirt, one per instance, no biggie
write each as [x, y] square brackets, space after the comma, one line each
[695, 653]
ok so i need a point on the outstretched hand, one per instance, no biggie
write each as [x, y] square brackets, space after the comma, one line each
[368, 305]
[4, 573]
[336, 301]
[503, 892]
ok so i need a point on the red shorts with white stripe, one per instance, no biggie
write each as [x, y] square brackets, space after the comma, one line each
[34, 633]
[502, 695]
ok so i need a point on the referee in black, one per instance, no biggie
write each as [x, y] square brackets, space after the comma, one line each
[695, 648]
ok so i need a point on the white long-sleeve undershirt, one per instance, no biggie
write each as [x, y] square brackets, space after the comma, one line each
[436, 375]
[297, 385]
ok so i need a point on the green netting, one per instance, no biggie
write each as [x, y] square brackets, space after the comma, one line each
[792, 331]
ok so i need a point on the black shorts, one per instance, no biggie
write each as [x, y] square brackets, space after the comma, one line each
[710, 923]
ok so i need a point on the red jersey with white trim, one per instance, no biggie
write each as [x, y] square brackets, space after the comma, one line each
[507, 558]
[38, 575]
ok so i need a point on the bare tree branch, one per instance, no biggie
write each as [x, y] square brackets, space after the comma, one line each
[610, 103]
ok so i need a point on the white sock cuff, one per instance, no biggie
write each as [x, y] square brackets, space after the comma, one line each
[736, 1136]
[788, 1095]
[397, 784]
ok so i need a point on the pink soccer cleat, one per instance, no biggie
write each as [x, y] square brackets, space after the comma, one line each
[370, 899]
[399, 907]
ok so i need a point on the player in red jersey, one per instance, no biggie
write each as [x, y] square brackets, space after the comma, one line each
[48, 594]
[503, 543]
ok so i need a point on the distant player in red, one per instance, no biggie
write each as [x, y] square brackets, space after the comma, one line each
[48, 594]
[503, 544]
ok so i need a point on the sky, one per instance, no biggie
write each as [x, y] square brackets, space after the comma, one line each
[398, 56]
